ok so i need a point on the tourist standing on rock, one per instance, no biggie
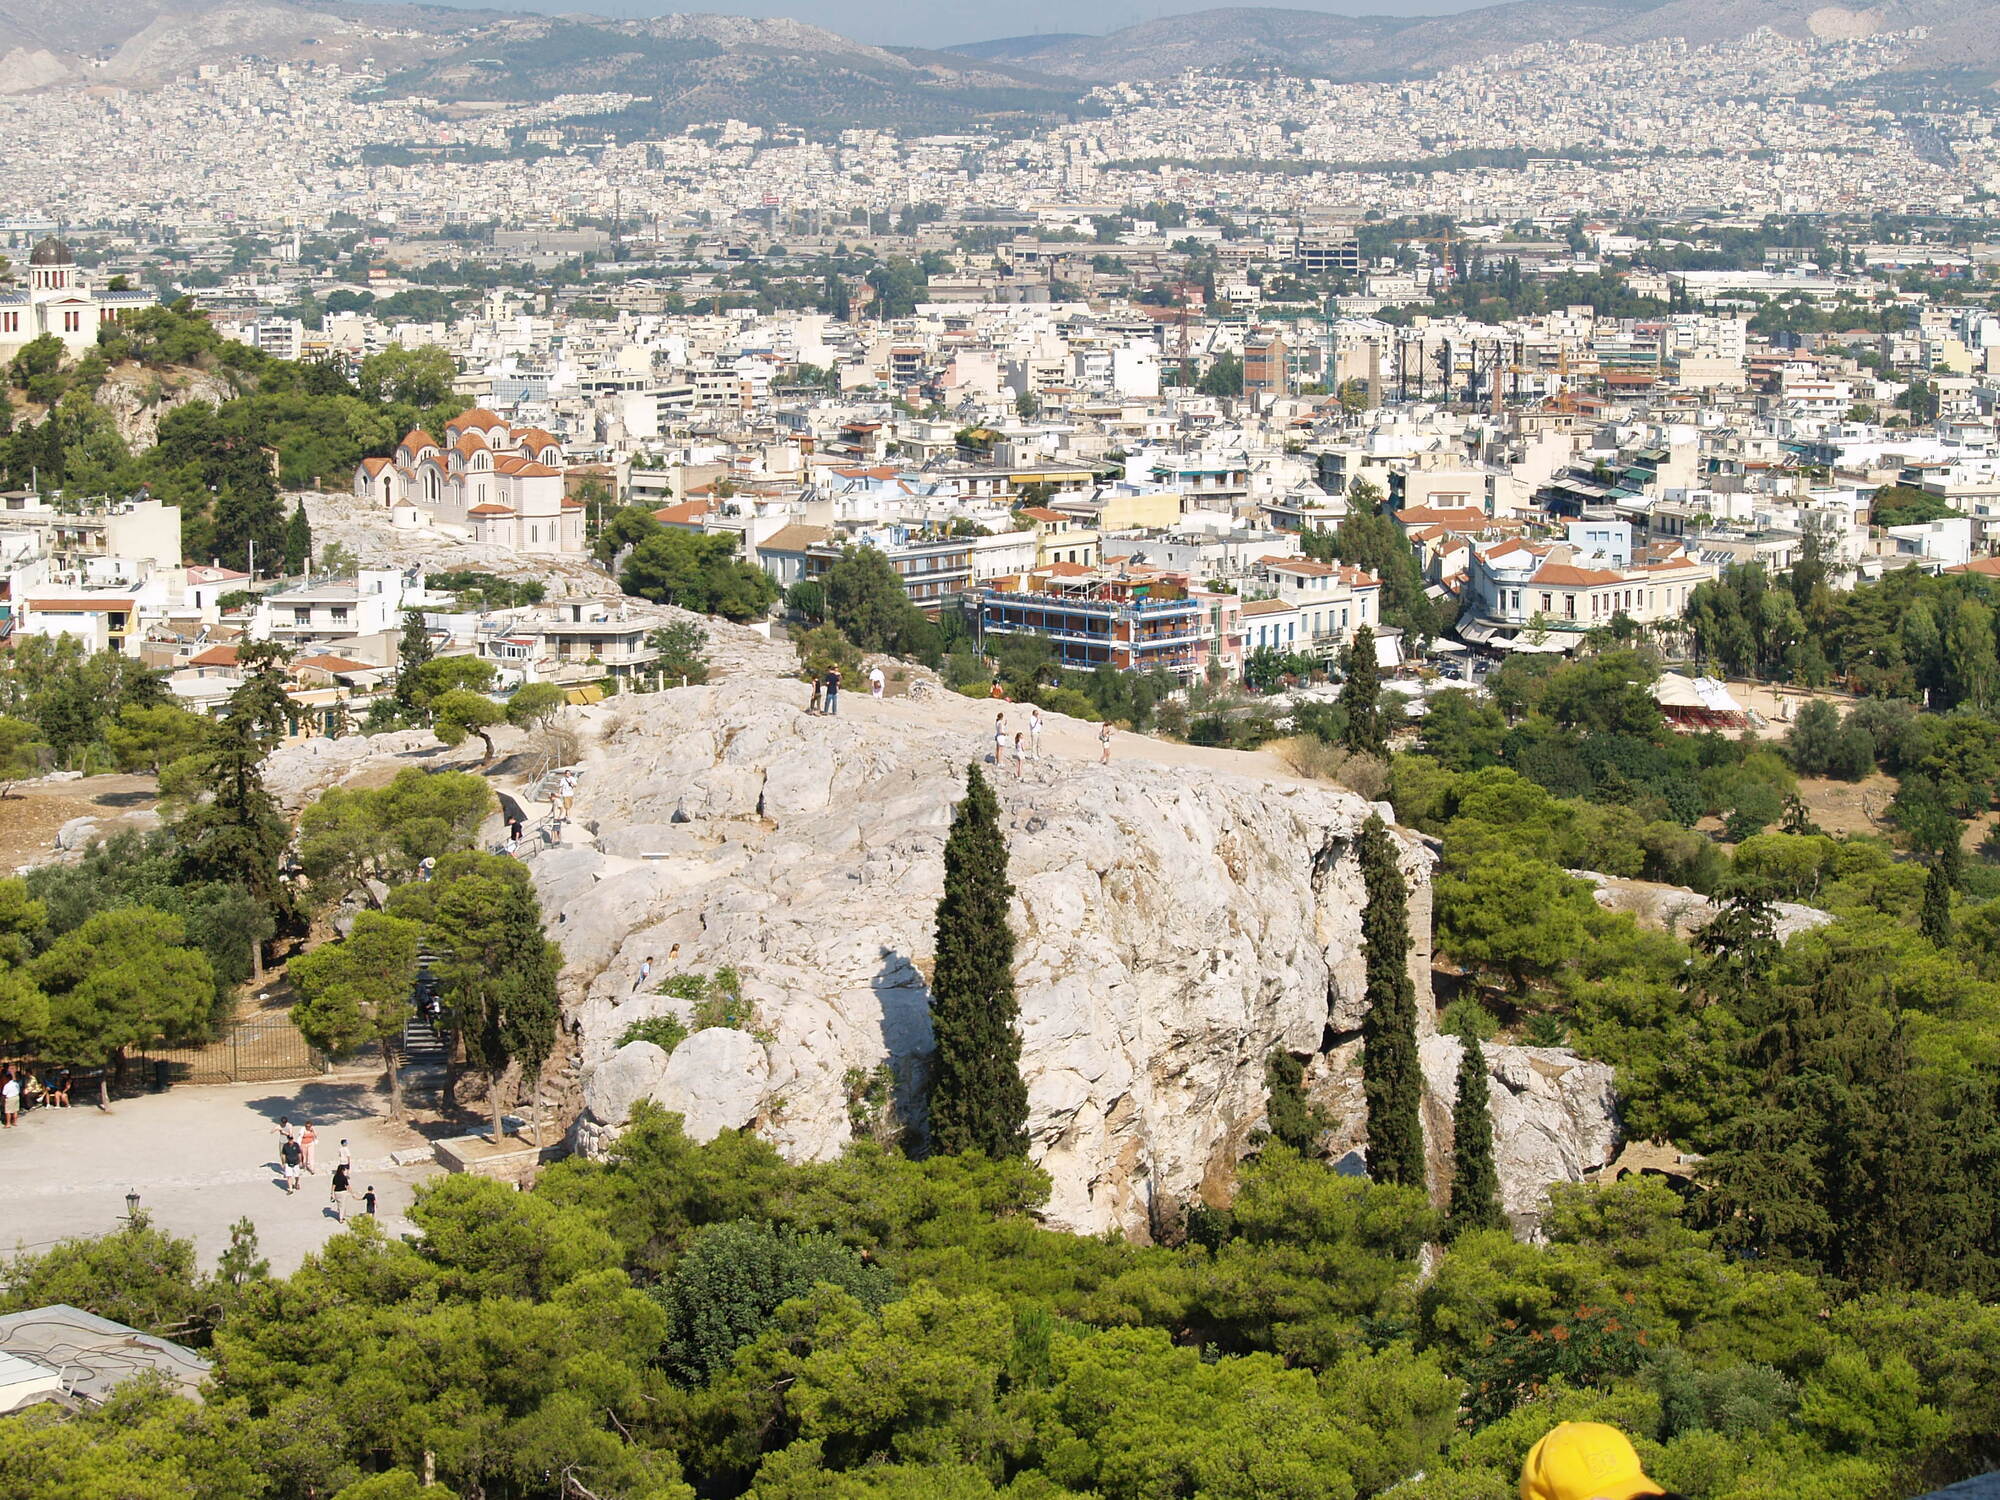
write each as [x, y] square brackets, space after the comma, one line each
[833, 691]
[1020, 754]
[999, 740]
[819, 695]
[1035, 731]
[308, 1141]
[876, 681]
[645, 973]
[289, 1157]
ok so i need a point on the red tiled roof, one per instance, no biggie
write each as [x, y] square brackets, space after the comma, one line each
[215, 656]
[1564, 575]
[77, 606]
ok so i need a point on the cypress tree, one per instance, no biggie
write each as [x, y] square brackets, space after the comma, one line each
[1293, 1119]
[1361, 696]
[977, 1099]
[298, 540]
[1935, 919]
[1391, 1079]
[412, 651]
[1475, 1185]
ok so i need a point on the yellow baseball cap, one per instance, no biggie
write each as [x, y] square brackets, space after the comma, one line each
[1584, 1461]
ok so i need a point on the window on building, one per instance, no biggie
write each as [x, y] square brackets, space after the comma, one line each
[302, 616]
[340, 614]
[72, 322]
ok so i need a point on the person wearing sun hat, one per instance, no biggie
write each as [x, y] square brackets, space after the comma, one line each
[1586, 1461]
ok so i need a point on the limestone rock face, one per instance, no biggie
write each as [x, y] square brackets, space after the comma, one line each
[1173, 924]
[1676, 909]
[1554, 1118]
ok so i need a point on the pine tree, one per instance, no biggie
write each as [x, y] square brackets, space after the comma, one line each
[1361, 696]
[1475, 1184]
[1935, 920]
[298, 540]
[977, 1099]
[1391, 1079]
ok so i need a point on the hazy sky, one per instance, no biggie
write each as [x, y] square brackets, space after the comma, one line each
[946, 22]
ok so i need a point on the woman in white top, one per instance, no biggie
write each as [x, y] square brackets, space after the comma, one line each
[999, 740]
[1035, 732]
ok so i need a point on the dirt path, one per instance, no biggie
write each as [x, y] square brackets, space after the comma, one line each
[34, 812]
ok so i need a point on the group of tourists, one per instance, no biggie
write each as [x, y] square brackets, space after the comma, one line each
[20, 1089]
[297, 1152]
[826, 690]
[1026, 744]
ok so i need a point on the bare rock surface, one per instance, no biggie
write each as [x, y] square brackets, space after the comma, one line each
[1554, 1118]
[1676, 909]
[1174, 922]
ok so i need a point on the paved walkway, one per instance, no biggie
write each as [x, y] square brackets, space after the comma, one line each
[200, 1157]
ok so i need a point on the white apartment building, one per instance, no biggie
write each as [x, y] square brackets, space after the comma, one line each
[1516, 584]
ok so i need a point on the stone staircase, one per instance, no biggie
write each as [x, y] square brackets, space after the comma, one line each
[423, 1045]
[559, 1094]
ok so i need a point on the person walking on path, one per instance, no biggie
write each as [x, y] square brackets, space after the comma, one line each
[308, 1141]
[1035, 731]
[288, 1156]
[819, 696]
[833, 691]
[346, 1156]
[284, 1128]
[999, 740]
[340, 1180]
[10, 1097]
[876, 681]
[368, 1202]
[1104, 743]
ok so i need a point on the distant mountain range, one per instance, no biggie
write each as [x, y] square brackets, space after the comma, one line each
[693, 69]
[1964, 34]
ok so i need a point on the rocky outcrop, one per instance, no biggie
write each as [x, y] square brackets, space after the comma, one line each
[137, 398]
[1554, 1117]
[1676, 909]
[1174, 924]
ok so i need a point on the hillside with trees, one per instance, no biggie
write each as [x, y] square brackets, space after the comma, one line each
[288, 425]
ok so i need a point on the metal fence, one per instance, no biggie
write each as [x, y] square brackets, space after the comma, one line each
[262, 1047]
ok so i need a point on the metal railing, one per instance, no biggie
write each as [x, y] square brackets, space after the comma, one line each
[260, 1048]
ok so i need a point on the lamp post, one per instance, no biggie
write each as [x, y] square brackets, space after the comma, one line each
[132, 1208]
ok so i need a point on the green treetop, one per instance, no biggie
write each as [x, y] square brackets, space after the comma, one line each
[1391, 1079]
[497, 970]
[1475, 1184]
[978, 1101]
[1361, 695]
